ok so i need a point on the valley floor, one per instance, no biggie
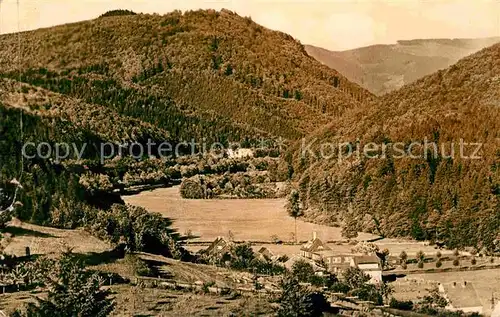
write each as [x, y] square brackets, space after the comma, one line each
[246, 219]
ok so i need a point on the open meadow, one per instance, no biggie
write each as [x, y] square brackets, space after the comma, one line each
[255, 220]
[246, 219]
[45, 240]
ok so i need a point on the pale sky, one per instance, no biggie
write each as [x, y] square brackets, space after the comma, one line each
[332, 24]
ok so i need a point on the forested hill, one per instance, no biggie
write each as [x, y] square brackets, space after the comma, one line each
[455, 200]
[196, 74]
[54, 192]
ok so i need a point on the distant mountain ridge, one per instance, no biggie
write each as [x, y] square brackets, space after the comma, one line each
[385, 68]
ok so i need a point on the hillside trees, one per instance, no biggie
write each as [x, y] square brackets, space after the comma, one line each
[137, 230]
[73, 291]
[428, 195]
[294, 208]
[297, 300]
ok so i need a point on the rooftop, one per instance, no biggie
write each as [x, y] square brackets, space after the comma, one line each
[366, 259]
[314, 245]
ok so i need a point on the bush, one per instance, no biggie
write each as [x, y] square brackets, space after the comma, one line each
[73, 291]
[420, 256]
[439, 264]
[316, 280]
[456, 262]
[138, 266]
[302, 271]
[403, 256]
[207, 285]
[192, 188]
[265, 267]
[138, 230]
[283, 258]
[402, 305]
[297, 300]
[369, 292]
[473, 261]
[340, 287]
[243, 257]
[355, 278]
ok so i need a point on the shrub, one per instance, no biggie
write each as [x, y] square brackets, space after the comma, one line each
[402, 305]
[302, 270]
[192, 188]
[244, 256]
[73, 291]
[138, 230]
[317, 280]
[369, 292]
[420, 256]
[138, 266]
[265, 267]
[354, 277]
[207, 285]
[473, 261]
[439, 264]
[456, 262]
[403, 256]
[283, 258]
[340, 287]
[434, 299]
[296, 300]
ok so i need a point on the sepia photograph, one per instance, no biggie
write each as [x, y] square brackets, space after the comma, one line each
[289, 158]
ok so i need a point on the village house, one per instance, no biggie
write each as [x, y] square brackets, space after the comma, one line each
[316, 251]
[219, 251]
[335, 262]
[313, 248]
[370, 265]
[265, 254]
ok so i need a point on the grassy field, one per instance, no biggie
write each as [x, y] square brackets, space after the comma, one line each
[157, 302]
[486, 283]
[257, 220]
[45, 240]
[136, 301]
[246, 219]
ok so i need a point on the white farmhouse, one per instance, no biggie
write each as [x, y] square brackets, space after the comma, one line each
[370, 265]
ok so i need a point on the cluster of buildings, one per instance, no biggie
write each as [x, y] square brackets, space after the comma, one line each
[461, 295]
[315, 252]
